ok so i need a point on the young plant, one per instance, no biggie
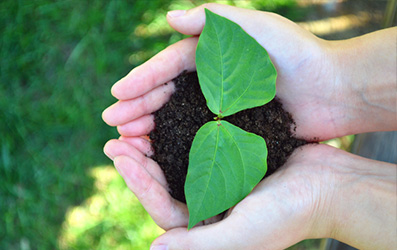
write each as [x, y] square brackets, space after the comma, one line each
[226, 162]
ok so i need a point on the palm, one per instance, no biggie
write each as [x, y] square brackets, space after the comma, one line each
[304, 85]
[281, 203]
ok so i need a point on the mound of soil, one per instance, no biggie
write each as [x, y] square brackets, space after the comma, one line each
[177, 122]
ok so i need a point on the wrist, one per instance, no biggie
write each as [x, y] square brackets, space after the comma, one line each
[364, 73]
[359, 206]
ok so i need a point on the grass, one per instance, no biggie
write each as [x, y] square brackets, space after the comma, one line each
[58, 62]
[110, 219]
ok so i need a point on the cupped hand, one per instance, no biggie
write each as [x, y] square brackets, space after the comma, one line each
[320, 192]
[283, 209]
[305, 84]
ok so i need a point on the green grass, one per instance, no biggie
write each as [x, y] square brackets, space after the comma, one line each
[110, 219]
[58, 62]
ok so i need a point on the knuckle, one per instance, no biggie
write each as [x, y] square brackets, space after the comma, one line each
[146, 190]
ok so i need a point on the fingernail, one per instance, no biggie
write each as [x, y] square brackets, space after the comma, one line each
[159, 247]
[109, 156]
[176, 13]
[114, 90]
[118, 86]
[115, 163]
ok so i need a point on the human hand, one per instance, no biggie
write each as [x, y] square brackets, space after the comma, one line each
[328, 87]
[320, 192]
[299, 56]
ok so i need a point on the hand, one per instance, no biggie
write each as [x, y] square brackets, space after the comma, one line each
[299, 56]
[320, 192]
[325, 85]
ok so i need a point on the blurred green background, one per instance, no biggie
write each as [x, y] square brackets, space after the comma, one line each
[58, 62]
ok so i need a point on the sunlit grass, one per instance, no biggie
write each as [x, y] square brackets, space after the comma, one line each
[111, 218]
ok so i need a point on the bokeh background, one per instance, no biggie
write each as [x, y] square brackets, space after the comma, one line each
[58, 62]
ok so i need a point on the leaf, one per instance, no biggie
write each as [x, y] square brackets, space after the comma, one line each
[225, 164]
[234, 70]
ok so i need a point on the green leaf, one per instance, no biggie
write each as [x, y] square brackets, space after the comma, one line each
[225, 164]
[234, 70]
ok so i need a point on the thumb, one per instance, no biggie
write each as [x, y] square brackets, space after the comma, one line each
[267, 28]
[238, 231]
[221, 235]
[191, 22]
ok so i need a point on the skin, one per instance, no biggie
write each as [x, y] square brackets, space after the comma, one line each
[331, 88]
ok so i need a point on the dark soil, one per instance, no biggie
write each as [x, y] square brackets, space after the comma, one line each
[177, 122]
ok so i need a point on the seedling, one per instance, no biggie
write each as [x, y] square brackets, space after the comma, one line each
[226, 162]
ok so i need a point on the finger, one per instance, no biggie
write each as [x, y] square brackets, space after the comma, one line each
[125, 111]
[114, 148]
[138, 127]
[139, 143]
[160, 69]
[164, 210]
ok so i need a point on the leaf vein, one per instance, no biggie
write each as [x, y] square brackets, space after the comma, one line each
[240, 153]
